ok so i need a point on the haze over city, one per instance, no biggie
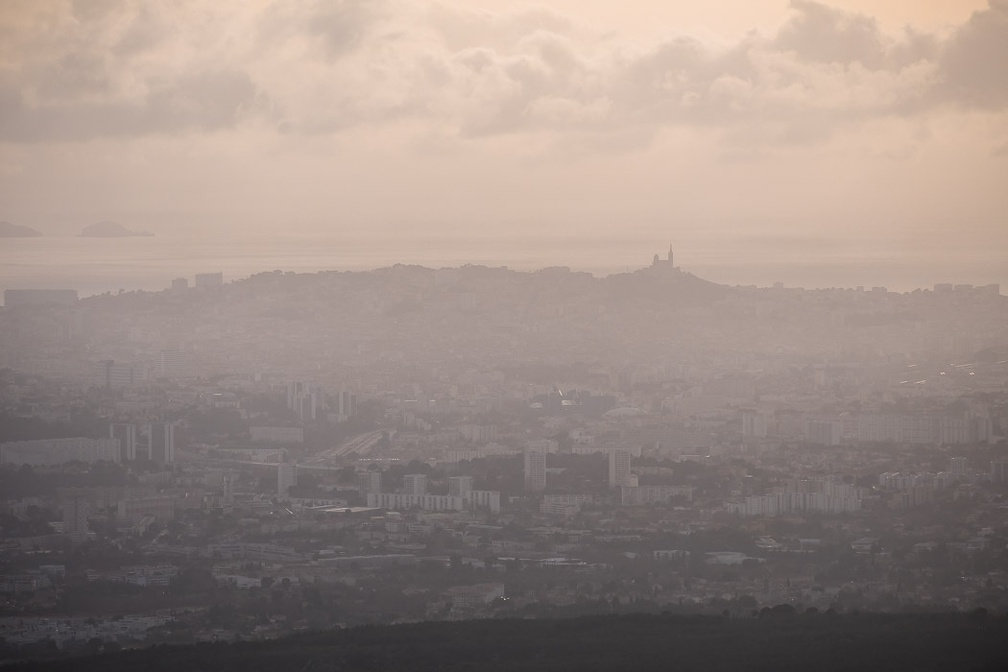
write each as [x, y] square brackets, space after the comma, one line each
[476, 335]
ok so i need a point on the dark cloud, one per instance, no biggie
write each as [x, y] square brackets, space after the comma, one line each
[341, 25]
[145, 32]
[821, 33]
[914, 47]
[974, 64]
[97, 10]
[204, 102]
[73, 75]
[337, 27]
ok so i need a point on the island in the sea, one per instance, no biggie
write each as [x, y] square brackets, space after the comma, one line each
[8, 230]
[110, 230]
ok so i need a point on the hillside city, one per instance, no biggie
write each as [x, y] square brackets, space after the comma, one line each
[225, 461]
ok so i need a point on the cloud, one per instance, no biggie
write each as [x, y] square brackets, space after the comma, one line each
[973, 70]
[460, 29]
[332, 30]
[203, 102]
[823, 34]
[124, 69]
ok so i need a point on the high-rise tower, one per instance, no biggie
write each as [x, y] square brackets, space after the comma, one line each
[162, 442]
[535, 470]
[415, 484]
[619, 468]
[126, 433]
[286, 478]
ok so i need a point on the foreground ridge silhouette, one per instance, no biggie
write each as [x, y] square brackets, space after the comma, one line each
[776, 639]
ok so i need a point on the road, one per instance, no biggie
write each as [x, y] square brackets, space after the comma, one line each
[360, 444]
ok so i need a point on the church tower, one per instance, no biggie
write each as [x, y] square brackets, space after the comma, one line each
[670, 254]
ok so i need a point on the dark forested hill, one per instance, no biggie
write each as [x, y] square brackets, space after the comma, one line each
[779, 641]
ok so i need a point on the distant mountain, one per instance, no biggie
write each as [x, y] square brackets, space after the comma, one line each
[110, 230]
[8, 230]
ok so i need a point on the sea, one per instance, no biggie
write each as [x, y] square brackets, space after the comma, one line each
[112, 265]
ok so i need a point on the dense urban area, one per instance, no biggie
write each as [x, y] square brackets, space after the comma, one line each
[241, 460]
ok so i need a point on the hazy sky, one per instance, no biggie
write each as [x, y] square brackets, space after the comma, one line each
[868, 126]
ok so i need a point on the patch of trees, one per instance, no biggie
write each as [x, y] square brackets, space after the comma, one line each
[26, 481]
[781, 640]
[81, 422]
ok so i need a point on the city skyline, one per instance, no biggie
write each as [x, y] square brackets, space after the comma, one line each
[295, 451]
[96, 266]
